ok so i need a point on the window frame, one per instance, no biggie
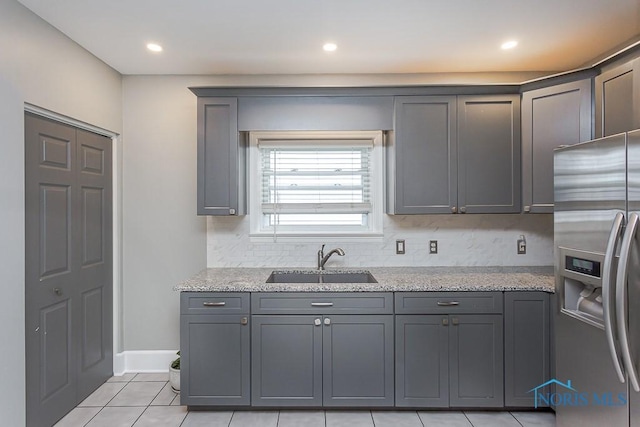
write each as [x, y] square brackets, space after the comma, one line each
[375, 218]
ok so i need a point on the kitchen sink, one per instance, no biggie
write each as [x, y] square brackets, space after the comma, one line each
[321, 277]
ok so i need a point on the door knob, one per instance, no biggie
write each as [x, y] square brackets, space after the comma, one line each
[327, 321]
[317, 322]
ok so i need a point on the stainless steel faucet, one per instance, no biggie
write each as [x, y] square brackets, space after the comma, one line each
[322, 258]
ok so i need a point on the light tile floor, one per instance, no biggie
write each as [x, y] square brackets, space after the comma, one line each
[141, 400]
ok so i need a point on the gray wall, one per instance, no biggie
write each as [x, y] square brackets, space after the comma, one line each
[41, 66]
[164, 240]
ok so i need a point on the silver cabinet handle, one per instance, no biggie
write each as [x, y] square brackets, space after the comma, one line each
[448, 303]
[317, 322]
[621, 300]
[321, 304]
[214, 304]
[327, 321]
[608, 293]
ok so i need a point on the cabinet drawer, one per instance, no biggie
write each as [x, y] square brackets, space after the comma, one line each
[214, 303]
[321, 303]
[448, 302]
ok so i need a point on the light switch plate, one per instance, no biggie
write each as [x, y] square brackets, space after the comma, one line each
[400, 247]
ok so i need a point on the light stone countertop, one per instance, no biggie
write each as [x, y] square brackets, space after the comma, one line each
[390, 279]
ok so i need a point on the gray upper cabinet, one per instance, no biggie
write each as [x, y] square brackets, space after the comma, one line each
[214, 345]
[489, 154]
[617, 100]
[423, 154]
[527, 345]
[453, 154]
[553, 116]
[220, 159]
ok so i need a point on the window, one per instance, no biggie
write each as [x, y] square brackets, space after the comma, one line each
[316, 184]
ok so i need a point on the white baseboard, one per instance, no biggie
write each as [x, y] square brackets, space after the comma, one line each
[142, 361]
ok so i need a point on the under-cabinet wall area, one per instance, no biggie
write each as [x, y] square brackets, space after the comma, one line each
[463, 240]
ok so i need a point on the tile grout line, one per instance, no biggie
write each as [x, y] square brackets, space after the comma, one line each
[420, 419]
[465, 415]
[231, 419]
[516, 418]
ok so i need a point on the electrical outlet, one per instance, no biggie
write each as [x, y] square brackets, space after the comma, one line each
[522, 245]
[399, 247]
[433, 246]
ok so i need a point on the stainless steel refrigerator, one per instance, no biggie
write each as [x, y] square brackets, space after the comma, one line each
[597, 264]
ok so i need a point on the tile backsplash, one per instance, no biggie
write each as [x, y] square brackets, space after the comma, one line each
[463, 240]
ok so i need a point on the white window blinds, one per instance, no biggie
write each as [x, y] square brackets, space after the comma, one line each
[300, 180]
[318, 183]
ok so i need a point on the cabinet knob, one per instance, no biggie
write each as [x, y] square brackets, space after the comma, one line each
[317, 322]
[463, 209]
[327, 321]
[454, 209]
[455, 321]
[57, 291]
[527, 209]
[244, 321]
[232, 211]
[445, 321]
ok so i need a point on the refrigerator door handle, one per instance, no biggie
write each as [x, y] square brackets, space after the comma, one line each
[607, 294]
[621, 300]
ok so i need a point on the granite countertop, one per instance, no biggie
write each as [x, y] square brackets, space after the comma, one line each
[390, 279]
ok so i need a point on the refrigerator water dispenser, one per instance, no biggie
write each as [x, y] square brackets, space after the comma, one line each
[580, 276]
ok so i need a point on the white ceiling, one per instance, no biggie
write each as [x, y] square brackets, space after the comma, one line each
[373, 36]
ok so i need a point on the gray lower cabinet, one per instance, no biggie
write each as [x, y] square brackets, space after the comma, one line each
[527, 345]
[551, 117]
[220, 158]
[215, 352]
[448, 356]
[322, 349]
[476, 369]
[315, 360]
[286, 360]
[617, 99]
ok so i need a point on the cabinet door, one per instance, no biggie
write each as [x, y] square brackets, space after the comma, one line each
[218, 157]
[526, 343]
[489, 154]
[617, 100]
[286, 361]
[422, 361]
[476, 361]
[358, 360]
[553, 116]
[425, 167]
[214, 360]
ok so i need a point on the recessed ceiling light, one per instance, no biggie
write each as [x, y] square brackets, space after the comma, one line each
[154, 47]
[329, 47]
[509, 44]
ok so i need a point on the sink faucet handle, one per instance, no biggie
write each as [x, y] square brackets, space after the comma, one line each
[322, 250]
